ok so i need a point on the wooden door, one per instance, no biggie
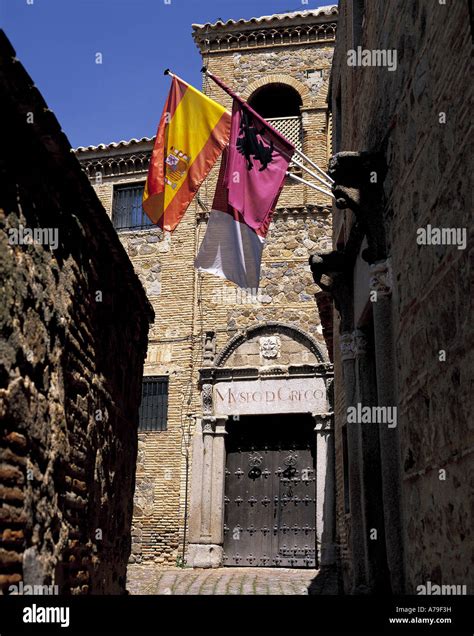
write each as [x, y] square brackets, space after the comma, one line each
[270, 493]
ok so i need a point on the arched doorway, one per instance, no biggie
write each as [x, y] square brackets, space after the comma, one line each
[262, 483]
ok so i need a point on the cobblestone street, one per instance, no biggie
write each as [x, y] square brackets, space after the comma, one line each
[150, 579]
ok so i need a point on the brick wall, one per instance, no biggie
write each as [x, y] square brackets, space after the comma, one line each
[187, 303]
[74, 320]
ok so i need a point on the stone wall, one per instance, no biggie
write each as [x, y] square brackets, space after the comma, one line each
[187, 303]
[74, 320]
[400, 113]
[246, 71]
[164, 264]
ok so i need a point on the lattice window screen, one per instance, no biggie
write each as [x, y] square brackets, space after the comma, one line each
[289, 127]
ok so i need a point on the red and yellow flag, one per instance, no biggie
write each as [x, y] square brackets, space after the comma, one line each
[192, 133]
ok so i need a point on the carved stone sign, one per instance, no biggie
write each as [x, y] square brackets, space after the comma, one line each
[247, 397]
[270, 347]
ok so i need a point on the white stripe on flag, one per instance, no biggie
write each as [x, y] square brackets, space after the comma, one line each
[231, 250]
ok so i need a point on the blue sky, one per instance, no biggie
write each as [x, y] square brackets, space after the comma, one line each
[57, 42]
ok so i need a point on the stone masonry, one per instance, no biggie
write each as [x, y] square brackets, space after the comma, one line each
[413, 124]
[188, 304]
[74, 320]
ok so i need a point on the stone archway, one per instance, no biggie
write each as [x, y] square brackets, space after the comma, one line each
[269, 369]
[280, 78]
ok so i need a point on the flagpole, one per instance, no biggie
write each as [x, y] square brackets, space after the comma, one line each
[313, 174]
[303, 156]
[242, 101]
[246, 105]
[311, 185]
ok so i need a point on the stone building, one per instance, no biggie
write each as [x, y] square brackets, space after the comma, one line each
[235, 445]
[74, 321]
[400, 279]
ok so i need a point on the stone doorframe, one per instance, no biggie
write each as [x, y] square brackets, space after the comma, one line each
[206, 515]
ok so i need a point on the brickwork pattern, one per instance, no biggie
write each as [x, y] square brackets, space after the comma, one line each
[70, 362]
[187, 304]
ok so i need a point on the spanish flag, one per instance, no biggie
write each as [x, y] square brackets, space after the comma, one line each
[192, 133]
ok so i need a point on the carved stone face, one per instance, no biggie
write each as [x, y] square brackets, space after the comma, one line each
[270, 347]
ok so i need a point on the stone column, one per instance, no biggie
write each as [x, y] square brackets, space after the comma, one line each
[371, 470]
[325, 489]
[208, 424]
[194, 524]
[218, 484]
[381, 283]
[358, 547]
[206, 523]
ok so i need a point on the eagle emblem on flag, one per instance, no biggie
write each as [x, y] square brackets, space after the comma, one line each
[249, 145]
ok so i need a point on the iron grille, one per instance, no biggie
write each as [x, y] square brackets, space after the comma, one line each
[154, 406]
[127, 211]
[289, 127]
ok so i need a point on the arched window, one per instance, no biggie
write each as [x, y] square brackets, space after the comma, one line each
[276, 100]
[280, 105]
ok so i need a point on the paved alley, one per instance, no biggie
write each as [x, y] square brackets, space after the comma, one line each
[151, 579]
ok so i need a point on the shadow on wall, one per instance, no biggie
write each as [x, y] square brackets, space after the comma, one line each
[326, 582]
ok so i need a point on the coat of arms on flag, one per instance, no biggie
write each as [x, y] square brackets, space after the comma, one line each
[192, 133]
[177, 163]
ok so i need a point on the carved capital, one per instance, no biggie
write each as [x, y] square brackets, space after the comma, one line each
[208, 425]
[214, 425]
[358, 179]
[346, 346]
[381, 278]
[331, 274]
[220, 426]
[324, 422]
[359, 343]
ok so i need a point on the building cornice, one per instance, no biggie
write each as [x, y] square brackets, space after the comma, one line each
[296, 17]
[209, 375]
[115, 147]
[111, 166]
[286, 29]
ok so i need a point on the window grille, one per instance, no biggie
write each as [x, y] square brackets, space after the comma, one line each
[289, 127]
[127, 211]
[154, 406]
